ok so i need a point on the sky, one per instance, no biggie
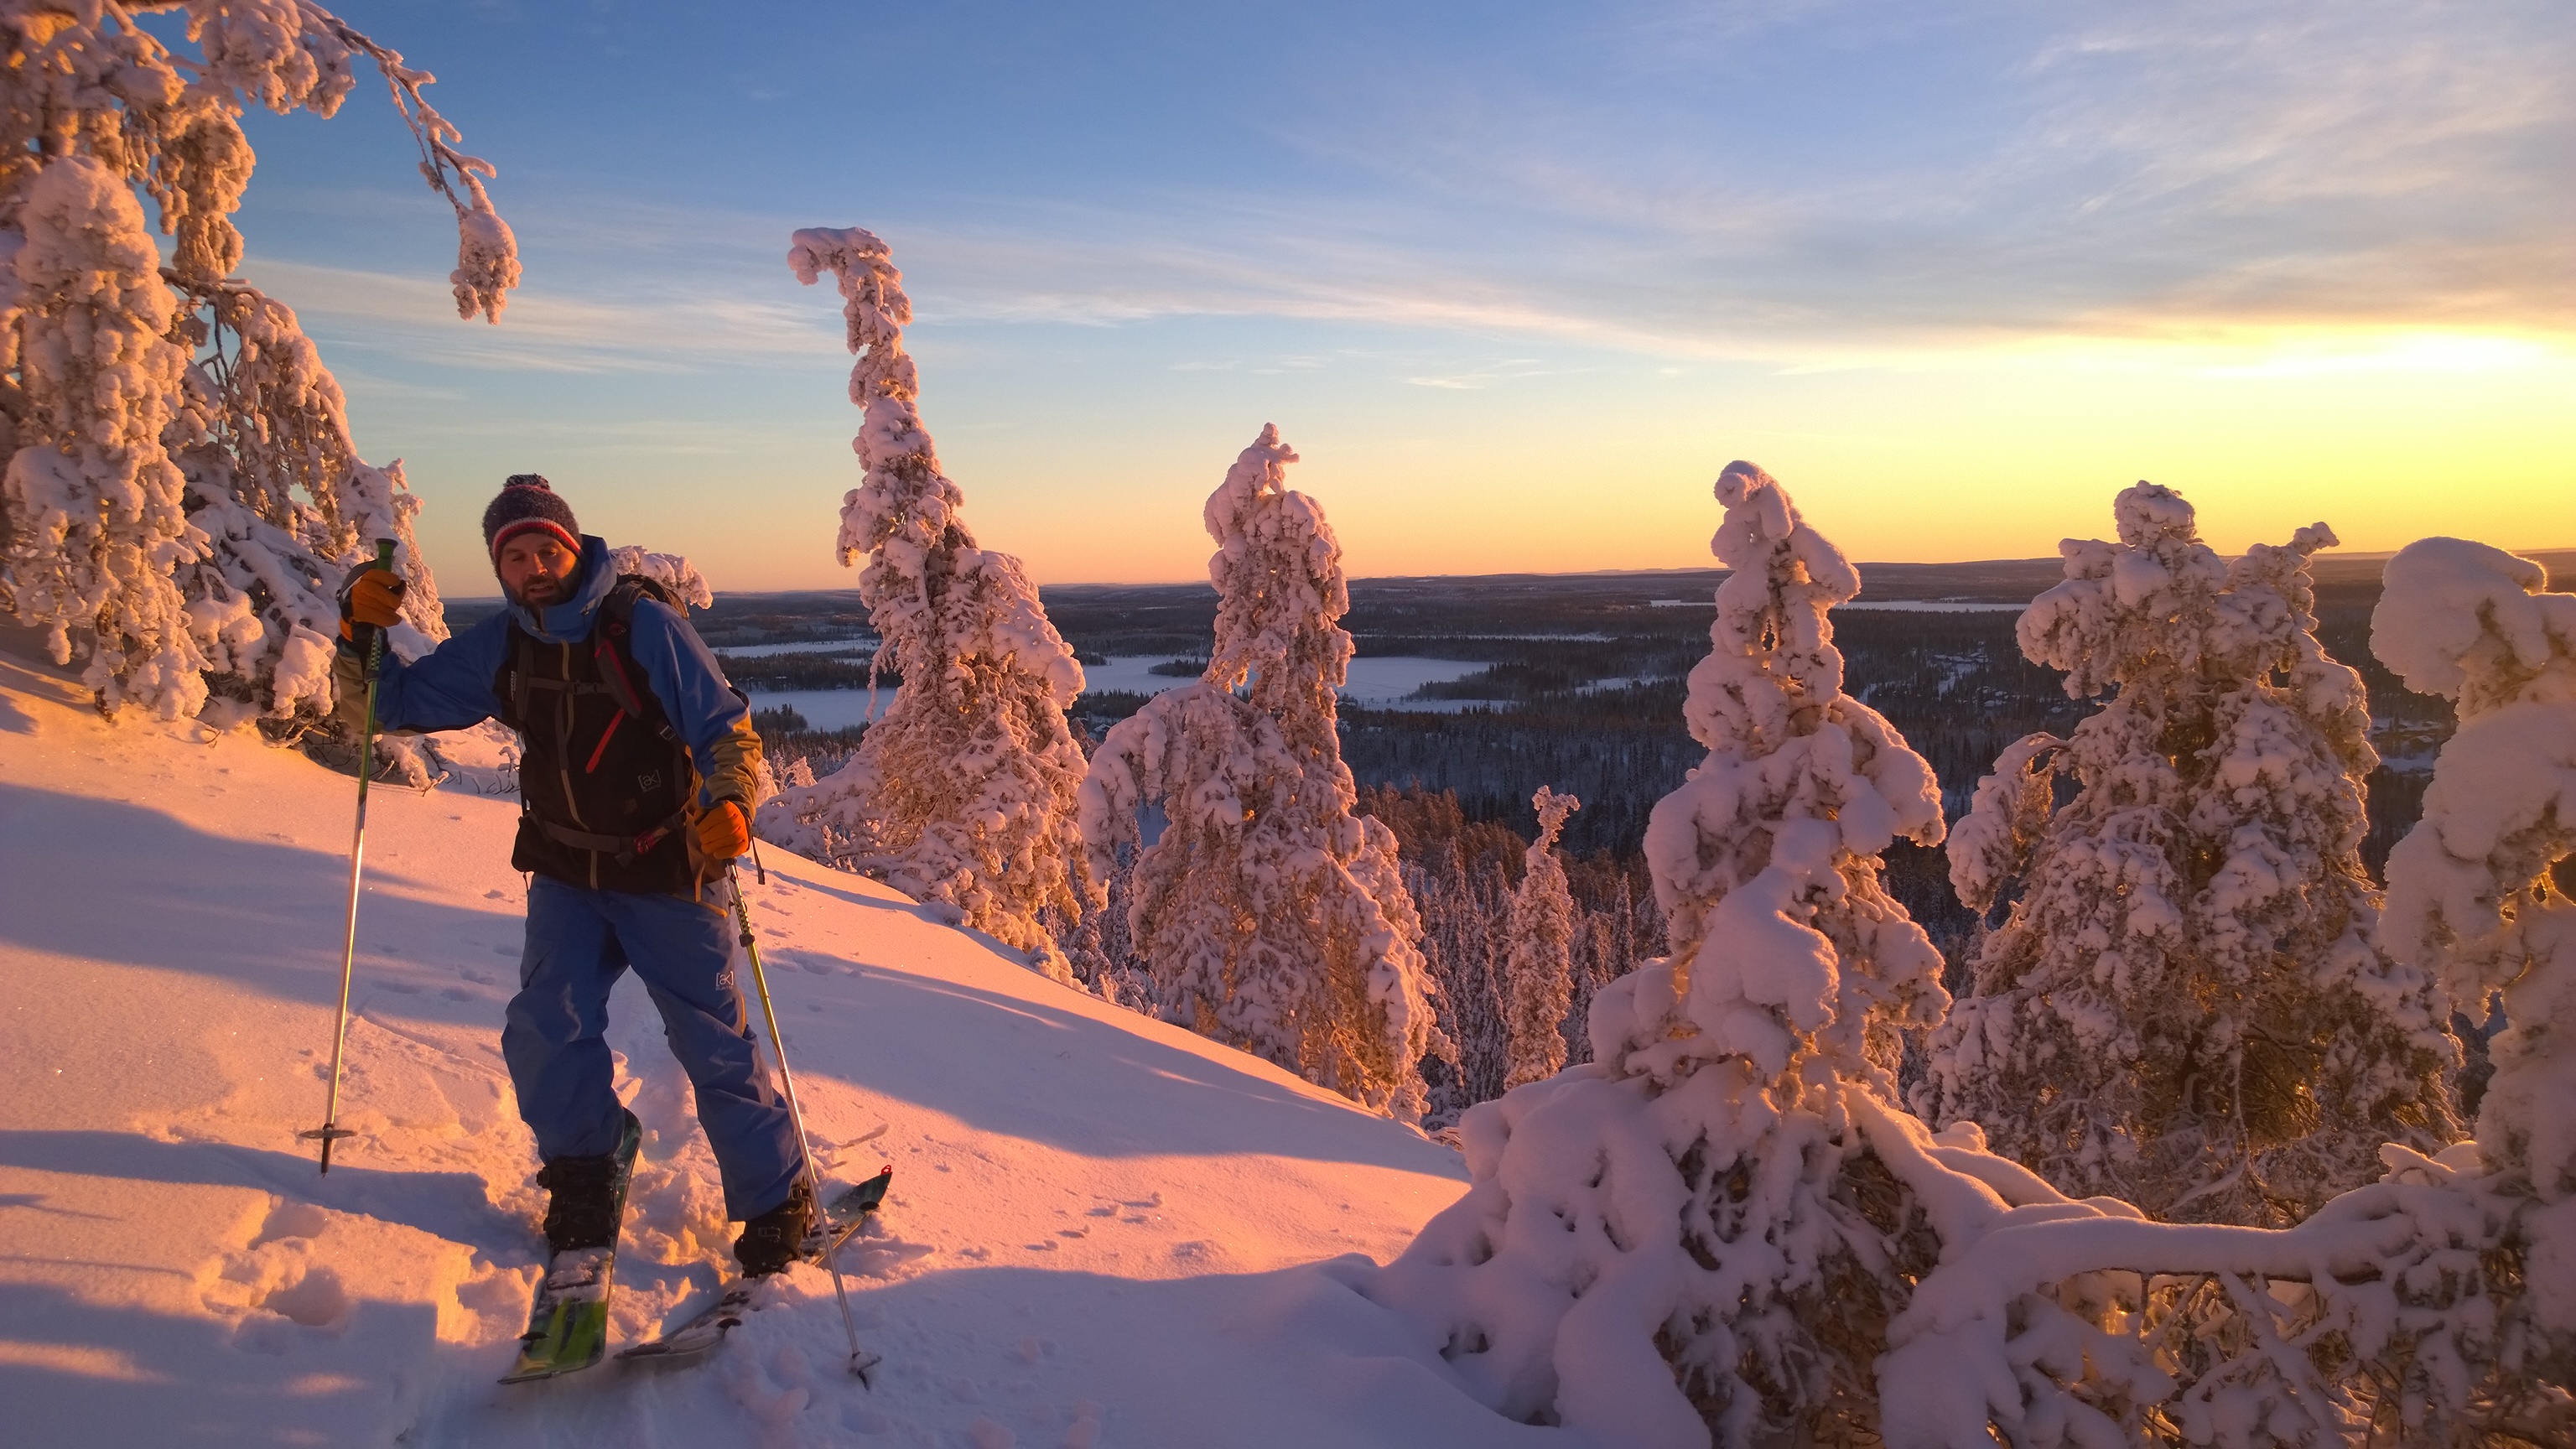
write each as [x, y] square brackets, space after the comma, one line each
[1516, 280]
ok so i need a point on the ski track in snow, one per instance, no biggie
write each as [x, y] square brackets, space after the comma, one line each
[1103, 1230]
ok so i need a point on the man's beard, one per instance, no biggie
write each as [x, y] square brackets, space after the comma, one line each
[541, 593]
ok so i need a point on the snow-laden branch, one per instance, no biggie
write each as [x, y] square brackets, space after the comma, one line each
[276, 501]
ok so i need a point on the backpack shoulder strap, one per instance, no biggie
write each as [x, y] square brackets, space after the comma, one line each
[511, 684]
[611, 644]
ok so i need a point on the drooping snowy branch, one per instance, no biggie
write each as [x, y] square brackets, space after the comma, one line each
[2428, 1308]
[1269, 915]
[2187, 1006]
[963, 792]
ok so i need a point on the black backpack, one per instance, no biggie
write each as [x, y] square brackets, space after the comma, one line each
[560, 847]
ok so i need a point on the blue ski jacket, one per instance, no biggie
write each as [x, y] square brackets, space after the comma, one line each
[451, 687]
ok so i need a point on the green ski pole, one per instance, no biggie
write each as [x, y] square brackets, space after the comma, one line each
[331, 1131]
[860, 1359]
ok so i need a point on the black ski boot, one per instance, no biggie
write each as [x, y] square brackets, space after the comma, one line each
[777, 1237]
[581, 1205]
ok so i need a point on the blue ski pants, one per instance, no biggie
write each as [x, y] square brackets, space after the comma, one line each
[579, 942]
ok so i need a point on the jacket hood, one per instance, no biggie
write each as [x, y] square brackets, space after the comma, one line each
[569, 622]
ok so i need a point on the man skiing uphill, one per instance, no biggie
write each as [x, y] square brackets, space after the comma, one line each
[635, 780]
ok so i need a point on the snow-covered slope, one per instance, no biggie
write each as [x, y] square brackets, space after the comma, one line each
[1103, 1230]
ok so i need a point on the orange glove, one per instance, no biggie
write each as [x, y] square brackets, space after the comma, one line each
[371, 599]
[722, 832]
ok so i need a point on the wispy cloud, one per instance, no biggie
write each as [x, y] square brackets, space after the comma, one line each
[1800, 182]
[2118, 174]
[1477, 378]
[654, 329]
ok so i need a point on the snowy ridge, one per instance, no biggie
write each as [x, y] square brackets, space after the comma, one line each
[1104, 1230]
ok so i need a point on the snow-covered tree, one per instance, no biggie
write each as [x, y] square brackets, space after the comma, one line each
[2436, 1306]
[2188, 1006]
[174, 515]
[963, 791]
[672, 571]
[2470, 889]
[1541, 965]
[1269, 915]
[1690, 1237]
[97, 523]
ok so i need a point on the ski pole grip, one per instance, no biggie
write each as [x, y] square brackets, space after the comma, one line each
[373, 651]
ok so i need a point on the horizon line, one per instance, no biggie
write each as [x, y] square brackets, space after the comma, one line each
[1863, 565]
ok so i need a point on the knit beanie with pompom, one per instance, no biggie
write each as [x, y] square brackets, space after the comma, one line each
[528, 503]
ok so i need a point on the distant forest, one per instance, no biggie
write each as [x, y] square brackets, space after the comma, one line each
[1583, 684]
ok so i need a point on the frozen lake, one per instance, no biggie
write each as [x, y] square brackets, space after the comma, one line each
[1373, 681]
[1380, 683]
[1885, 606]
[824, 709]
[827, 647]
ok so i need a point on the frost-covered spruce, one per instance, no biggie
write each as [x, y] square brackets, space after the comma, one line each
[963, 791]
[1270, 917]
[176, 517]
[2470, 891]
[2436, 1306]
[2187, 1006]
[1540, 969]
[1689, 1238]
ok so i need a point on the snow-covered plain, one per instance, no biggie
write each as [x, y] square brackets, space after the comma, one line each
[1103, 1230]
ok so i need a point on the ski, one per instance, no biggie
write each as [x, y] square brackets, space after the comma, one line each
[707, 1327]
[568, 1323]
